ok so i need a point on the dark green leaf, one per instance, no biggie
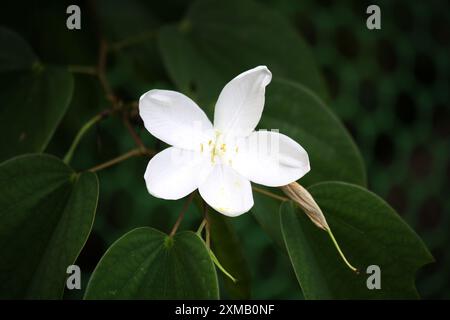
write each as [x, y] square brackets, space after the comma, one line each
[147, 264]
[266, 212]
[203, 53]
[46, 214]
[33, 98]
[228, 250]
[369, 232]
[297, 112]
[16, 54]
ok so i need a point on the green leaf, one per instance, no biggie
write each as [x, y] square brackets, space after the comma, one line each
[34, 98]
[369, 232]
[16, 54]
[148, 264]
[46, 215]
[203, 53]
[266, 211]
[228, 250]
[300, 114]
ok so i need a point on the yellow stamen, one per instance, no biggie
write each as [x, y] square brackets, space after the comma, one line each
[213, 154]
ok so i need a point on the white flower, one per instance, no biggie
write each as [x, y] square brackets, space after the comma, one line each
[221, 159]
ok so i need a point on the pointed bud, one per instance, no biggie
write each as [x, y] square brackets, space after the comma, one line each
[303, 198]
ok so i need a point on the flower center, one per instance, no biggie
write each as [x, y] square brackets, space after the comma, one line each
[219, 150]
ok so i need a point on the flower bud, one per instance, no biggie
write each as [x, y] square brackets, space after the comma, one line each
[303, 198]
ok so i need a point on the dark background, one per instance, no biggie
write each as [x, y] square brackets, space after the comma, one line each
[390, 87]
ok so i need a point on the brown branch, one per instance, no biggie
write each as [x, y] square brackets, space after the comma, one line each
[133, 132]
[182, 213]
[102, 56]
[269, 194]
[133, 40]
[89, 70]
[129, 154]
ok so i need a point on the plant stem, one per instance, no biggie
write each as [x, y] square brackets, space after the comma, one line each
[340, 252]
[81, 133]
[125, 156]
[270, 194]
[182, 213]
[200, 228]
[133, 132]
[89, 70]
[217, 263]
[102, 55]
[208, 231]
[136, 39]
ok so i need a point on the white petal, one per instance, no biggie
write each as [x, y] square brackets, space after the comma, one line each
[241, 102]
[271, 159]
[174, 173]
[174, 118]
[227, 192]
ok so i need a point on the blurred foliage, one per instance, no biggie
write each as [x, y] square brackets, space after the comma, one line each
[390, 87]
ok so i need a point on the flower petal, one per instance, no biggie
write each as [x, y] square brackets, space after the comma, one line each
[174, 173]
[241, 102]
[174, 118]
[226, 191]
[271, 159]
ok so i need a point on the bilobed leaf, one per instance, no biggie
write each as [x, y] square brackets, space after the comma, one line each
[369, 232]
[46, 214]
[33, 98]
[203, 53]
[148, 264]
[228, 250]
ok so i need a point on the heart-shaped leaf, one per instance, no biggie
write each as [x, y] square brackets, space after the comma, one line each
[369, 232]
[203, 53]
[46, 214]
[33, 97]
[148, 264]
